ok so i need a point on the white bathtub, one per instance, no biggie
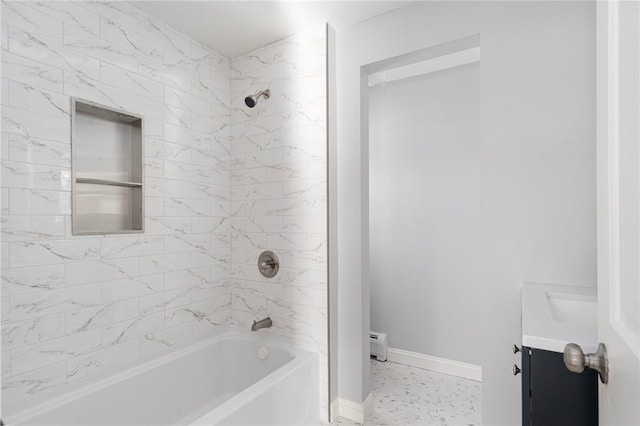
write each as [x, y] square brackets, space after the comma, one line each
[220, 380]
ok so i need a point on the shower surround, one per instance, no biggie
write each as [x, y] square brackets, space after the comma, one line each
[221, 184]
[279, 190]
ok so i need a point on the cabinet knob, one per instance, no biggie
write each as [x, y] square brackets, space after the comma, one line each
[516, 349]
[516, 370]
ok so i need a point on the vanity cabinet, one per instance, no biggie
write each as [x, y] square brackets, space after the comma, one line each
[554, 396]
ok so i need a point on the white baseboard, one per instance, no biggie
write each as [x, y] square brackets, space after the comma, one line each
[367, 407]
[334, 410]
[356, 412]
[441, 365]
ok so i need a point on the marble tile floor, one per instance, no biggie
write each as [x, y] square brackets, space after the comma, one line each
[412, 396]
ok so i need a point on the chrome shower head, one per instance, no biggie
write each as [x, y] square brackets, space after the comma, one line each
[252, 100]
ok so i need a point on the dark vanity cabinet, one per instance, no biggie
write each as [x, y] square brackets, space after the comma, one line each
[554, 396]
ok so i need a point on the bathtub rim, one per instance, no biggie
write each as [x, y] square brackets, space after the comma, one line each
[70, 392]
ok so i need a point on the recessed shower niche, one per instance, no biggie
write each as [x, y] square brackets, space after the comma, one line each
[107, 153]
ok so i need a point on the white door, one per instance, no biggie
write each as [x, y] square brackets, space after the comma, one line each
[618, 81]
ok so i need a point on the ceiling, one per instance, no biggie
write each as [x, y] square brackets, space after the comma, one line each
[236, 27]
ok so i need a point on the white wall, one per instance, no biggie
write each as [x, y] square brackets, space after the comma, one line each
[73, 306]
[279, 190]
[538, 140]
[425, 169]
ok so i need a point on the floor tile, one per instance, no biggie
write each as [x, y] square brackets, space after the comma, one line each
[412, 396]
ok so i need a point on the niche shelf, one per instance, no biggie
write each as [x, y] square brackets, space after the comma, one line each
[107, 170]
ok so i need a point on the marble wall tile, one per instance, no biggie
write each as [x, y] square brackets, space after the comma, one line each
[169, 76]
[79, 86]
[121, 246]
[73, 306]
[34, 99]
[119, 35]
[187, 278]
[186, 207]
[5, 36]
[31, 124]
[54, 350]
[42, 303]
[36, 74]
[165, 338]
[176, 60]
[131, 82]
[70, 14]
[186, 101]
[125, 296]
[168, 225]
[27, 280]
[190, 312]
[165, 262]
[278, 190]
[51, 51]
[36, 176]
[4, 249]
[24, 228]
[30, 20]
[100, 270]
[25, 149]
[122, 331]
[31, 253]
[22, 333]
[99, 316]
[154, 128]
[158, 32]
[36, 201]
[296, 207]
[182, 243]
[163, 301]
[22, 386]
[210, 225]
[132, 287]
[88, 45]
[4, 201]
[185, 171]
[6, 363]
[120, 12]
[93, 362]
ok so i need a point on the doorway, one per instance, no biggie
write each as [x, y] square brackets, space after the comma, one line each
[425, 176]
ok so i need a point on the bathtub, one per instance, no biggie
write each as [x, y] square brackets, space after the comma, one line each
[233, 377]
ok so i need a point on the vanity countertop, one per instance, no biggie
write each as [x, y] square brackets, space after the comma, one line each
[554, 315]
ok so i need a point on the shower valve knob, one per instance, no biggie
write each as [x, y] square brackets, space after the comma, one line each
[268, 264]
[516, 349]
[516, 370]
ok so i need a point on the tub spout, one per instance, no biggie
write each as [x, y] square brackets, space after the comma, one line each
[263, 323]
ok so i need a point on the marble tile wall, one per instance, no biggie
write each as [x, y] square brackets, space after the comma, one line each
[279, 190]
[73, 306]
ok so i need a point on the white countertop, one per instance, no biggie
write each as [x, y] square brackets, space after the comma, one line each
[554, 315]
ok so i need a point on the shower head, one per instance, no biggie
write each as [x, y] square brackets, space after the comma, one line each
[252, 100]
